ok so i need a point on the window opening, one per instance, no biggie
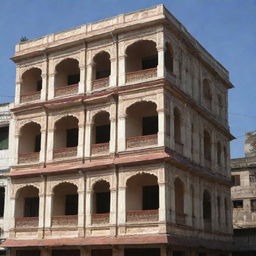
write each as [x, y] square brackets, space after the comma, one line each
[149, 125]
[38, 143]
[150, 197]
[39, 84]
[253, 205]
[102, 133]
[72, 137]
[149, 62]
[73, 79]
[71, 204]
[31, 207]
[4, 136]
[103, 202]
[2, 197]
[238, 204]
[235, 180]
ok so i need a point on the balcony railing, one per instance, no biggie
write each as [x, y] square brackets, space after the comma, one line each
[141, 75]
[178, 147]
[100, 218]
[180, 218]
[32, 96]
[26, 158]
[64, 152]
[66, 220]
[207, 225]
[100, 83]
[101, 148]
[26, 222]
[141, 141]
[66, 90]
[142, 216]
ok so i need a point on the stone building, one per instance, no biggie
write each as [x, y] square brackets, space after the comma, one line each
[243, 192]
[6, 128]
[121, 142]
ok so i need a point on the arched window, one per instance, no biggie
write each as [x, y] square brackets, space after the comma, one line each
[168, 57]
[219, 153]
[179, 201]
[207, 146]
[207, 93]
[177, 125]
[207, 210]
[101, 199]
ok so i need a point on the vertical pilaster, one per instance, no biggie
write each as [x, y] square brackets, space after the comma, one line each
[113, 75]
[121, 133]
[82, 67]
[42, 156]
[160, 66]
[16, 146]
[11, 218]
[89, 77]
[81, 205]
[121, 71]
[121, 205]
[50, 143]
[161, 127]
[51, 85]
[81, 136]
[42, 207]
[48, 210]
[88, 208]
[88, 137]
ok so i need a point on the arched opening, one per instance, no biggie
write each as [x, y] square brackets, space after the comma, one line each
[31, 85]
[168, 58]
[102, 70]
[141, 124]
[101, 202]
[207, 149]
[65, 204]
[218, 153]
[179, 201]
[101, 133]
[67, 77]
[66, 137]
[27, 207]
[141, 61]
[2, 199]
[207, 210]
[207, 93]
[177, 130]
[29, 143]
[142, 198]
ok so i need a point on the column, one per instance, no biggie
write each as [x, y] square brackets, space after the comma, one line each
[88, 138]
[163, 202]
[82, 83]
[121, 133]
[42, 208]
[160, 66]
[81, 205]
[17, 92]
[113, 199]
[44, 87]
[89, 77]
[121, 205]
[81, 137]
[172, 200]
[121, 71]
[48, 210]
[16, 147]
[113, 75]
[161, 127]
[188, 202]
[50, 144]
[11, 218]
[88, 209]
[51, 86]
[42, 157]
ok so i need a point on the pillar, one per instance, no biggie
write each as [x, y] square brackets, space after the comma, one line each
[11, 219]
[42, 157]
[113, 210]
[89, 77]
[81, 136]
[88, 138]
[113, 75]
[16, 147]
[121, 205]
[88, 208]
[112, 145]
[44, 87]
[160, 66]
[81, 205]
[17, 93]
[41, 215]
[50, 144]
[51, 85]
[121, 71]
[163, 202]
[82, 83]
[161, 127]
[48, 210]
[121, 133]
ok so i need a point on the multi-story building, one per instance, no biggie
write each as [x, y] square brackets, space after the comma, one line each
[6, 128]
[122, 142]
[243, 192]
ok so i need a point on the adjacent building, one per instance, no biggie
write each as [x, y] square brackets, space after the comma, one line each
[243, 172]
[121, 142]
[6, 128]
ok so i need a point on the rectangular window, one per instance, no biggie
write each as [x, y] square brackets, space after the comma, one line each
[73, 79]
[252, 178]
[102, 134]
[39, 85]
[102, 252]
[71, 204]
[65, 253]
[149, 62]
[238, 204]
[31, 207]
[2, 197]
[27, 253]
[72, 137]
[150, 197]
[38, 143]
[253, 205]
[235, 180]
[149, 125]
[4, 137]
[102, 202]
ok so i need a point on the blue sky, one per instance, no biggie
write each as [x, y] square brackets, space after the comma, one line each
[226, 28]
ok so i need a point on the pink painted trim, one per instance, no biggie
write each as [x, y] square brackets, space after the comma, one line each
[27, 218]
[142, 137]
[144, 211]
[66, 86]
[140, 71]
[100, 214]
[29, 154]
[64, 149]
[65, 217]
[100, 144]
[31, 93]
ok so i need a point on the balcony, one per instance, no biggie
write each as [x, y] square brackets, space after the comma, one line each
[141, 141]
[28, 158]
[66, 90]
[142, 216]
[100, 218]
[26, 222]
[30, 97]
[100, 83]
[100, 148]
[141, 75]
[66, 220]
[180, 218]
[64, 152]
